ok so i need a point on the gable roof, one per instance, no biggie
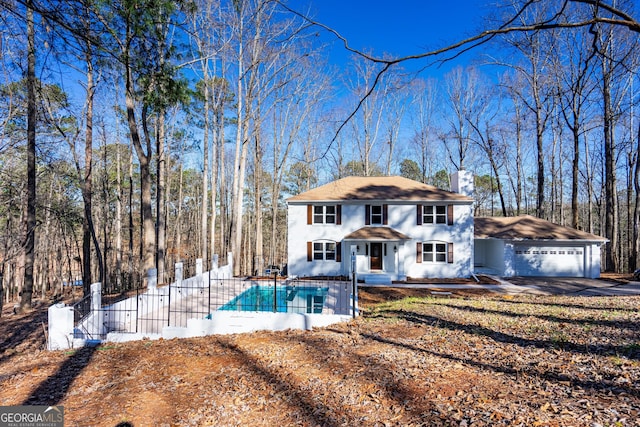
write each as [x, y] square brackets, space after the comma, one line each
[377, 188]
[527, 227]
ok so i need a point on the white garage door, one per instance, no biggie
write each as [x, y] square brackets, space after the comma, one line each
[563, 261]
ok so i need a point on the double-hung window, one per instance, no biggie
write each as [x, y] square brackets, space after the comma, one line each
[376, 214]
[434, 214]
[324, 251]
[324, 214]
[434, 252]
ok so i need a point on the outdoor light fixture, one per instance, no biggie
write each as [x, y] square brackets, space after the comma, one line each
[395, 248]
[358, 248]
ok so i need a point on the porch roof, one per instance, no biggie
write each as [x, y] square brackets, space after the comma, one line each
[376, 233]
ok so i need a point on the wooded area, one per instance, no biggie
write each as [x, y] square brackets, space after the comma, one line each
[138, 133]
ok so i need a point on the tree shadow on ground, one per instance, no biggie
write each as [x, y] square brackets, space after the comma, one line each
[619, 324]
[53, 390]
[314, 411]
[586, 306]
[22, 333]
[377, 370]
[587, 349]
[510, 339]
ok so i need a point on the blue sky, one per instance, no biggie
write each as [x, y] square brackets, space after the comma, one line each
[406, 27]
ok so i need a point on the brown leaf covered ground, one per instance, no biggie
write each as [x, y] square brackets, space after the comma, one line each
[413, 358]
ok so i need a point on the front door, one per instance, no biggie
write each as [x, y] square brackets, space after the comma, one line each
[376, 256]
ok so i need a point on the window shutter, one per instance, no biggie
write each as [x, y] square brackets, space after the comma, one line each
[419, 252]
[450, 253]
[338, 214]
[385, 214]
[449, 214]
[309, 214]
[339, 252]
[367, 214]
[309, 251]
[419, 215]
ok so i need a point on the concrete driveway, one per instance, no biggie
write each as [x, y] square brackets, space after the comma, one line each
[568, 286]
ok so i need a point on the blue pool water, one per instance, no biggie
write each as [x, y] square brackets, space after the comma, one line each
[289, 299]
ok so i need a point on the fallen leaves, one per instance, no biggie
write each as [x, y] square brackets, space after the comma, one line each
[465, 361]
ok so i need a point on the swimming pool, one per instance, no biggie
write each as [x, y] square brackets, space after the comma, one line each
[288, 299]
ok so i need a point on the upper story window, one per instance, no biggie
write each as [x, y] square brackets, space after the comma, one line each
[376, 214]
[323, 214]
[435, 214]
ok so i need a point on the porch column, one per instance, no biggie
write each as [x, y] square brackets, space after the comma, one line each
[400, 261]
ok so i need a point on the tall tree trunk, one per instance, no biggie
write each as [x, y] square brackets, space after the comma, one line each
[148, 225]
[30, 219]
[205, 172]
[540, 212]
[636, 209]
[160, 198]
[147, 245]
[133, 276]
[88, 229]
[587, 169]
[119, 197]
[258, 257]
[611, 197]
[178, 228]
[575, 174]
[224, 198]
[217, 133]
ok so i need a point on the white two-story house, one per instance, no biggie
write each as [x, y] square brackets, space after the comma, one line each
[390, 227]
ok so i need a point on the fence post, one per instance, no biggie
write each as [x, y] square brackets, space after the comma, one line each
[60, 327]
[96, 296]
[179, 272]
[95, 326]
[230, 263]
[199, 271]
[354, 291]
[152, 276]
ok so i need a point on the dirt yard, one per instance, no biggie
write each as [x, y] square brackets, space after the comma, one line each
[412, 359]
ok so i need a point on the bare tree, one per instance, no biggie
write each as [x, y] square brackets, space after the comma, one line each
[423, 118]
[30, 218]
[574, 74]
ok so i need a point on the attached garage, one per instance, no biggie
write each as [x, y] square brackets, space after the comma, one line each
[558, 261]
[529, 246]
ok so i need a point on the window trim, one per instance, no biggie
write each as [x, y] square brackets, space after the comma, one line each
[323, 215]
[381, 217]
[438, 249]
[437, 218]
[422, 252]
[324, 250]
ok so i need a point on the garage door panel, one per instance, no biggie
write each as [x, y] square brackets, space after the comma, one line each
[549, 261]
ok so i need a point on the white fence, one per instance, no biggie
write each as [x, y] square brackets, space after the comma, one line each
[211, 302]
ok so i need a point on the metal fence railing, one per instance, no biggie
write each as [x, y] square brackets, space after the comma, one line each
[201, 296]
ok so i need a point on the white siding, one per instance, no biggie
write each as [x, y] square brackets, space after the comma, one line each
[402, 218]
